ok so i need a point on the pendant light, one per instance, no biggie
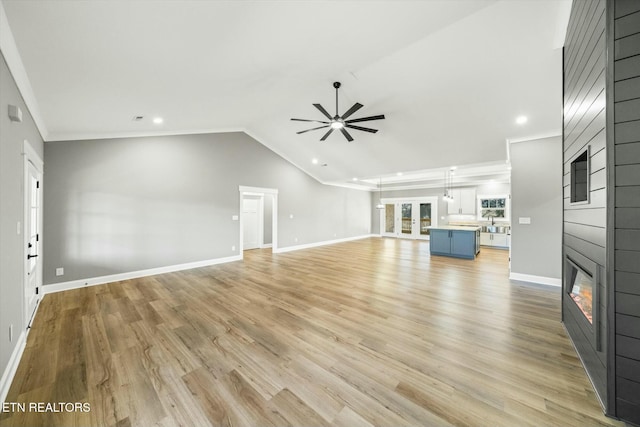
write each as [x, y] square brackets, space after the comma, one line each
[380, 205]
[445, 196]
[447, 187]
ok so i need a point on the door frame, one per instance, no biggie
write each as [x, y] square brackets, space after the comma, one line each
[399, 201]
[260, 191]
[29, 155]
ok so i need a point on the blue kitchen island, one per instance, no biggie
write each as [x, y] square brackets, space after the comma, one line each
[455, 241]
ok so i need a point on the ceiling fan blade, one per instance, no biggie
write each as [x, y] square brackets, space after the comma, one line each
[365, 119]
[319, 127]
[306, 120]
[361, 128]
[326, 135]
[352, 110]
[346, 134]
[323, 111]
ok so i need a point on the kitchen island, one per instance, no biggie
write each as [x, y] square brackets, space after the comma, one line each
[455, 241]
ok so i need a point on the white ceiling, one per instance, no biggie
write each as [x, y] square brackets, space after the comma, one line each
[450, 76]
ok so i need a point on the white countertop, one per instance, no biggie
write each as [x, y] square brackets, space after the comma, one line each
[456, 227]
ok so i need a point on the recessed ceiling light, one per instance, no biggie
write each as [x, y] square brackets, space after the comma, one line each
[158, 120]
[314, 161]
[355, 179]
[399, 174]
[454, 168]
[521, 120]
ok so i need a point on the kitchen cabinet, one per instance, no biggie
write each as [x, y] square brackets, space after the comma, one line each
[458, 242]
[463, 203]
[500, 240]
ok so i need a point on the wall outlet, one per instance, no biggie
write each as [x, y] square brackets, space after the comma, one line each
[19, 228]
[524, 220]
[235, 217]
[60, 271]
[233, 248]
[290, 216]
[11, 333]
[295, 239]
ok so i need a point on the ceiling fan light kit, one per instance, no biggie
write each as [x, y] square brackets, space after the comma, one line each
[338, 122]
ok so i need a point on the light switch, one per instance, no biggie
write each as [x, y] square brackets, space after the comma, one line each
[524, 220]
[19, 228]
[60, 271]
[234, 218]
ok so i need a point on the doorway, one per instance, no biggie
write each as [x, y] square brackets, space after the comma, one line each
[409, 218]
[252, 222]
[258, 218]
[32, 268]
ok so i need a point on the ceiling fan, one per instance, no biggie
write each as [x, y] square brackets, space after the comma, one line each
[340, 122]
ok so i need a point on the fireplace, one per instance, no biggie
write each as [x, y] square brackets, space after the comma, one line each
[581, 286]
[581, 292]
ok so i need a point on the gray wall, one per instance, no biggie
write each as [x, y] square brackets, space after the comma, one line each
[625, 149]
[121, 205]
[536, 192]
[12, 135]
[584, 225]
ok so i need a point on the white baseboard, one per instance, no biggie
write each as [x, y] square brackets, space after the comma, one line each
[74, 284]
[323, 243]
[551, 281]
[12, 366]
[266, 245]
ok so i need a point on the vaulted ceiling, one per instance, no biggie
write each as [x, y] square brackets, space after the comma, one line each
[451, 76]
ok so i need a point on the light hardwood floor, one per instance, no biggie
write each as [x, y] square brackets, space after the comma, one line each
[370, 332]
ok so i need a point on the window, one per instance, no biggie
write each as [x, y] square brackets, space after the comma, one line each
[580, 178]
[493, 208]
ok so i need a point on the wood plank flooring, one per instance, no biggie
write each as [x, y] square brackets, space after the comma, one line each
[370, 332]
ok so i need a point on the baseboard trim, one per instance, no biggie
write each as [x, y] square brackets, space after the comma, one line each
[551, 281]
[266, 245]
[12, 367]
[323, 243]
[101, 280]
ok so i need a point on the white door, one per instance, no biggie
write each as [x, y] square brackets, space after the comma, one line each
[32, 229]
[407, 219]
[251, 223]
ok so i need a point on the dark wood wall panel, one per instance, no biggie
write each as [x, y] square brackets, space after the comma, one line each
[628, 110]
[583, 51]
[627, 154]
[627, 46]
[587, 128]
[584, 125]
[627, 282]
[628, 89]
[597, 235]
[625, 7]
[626, 137]
[627, 218]
[627, 25]
[628, 326]
[627, 68]
[628, 240]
